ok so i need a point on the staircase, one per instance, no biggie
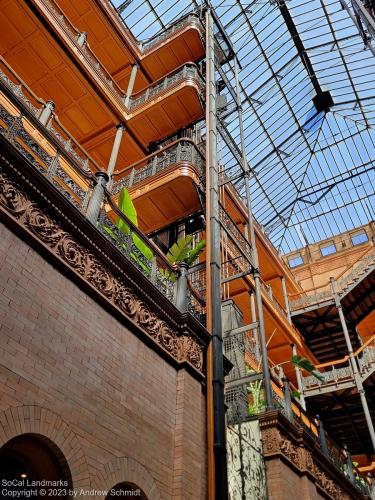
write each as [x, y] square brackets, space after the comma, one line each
[316, 315]
[338, 375]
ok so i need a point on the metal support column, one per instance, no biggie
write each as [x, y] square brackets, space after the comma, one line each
[258, 290]
[46, 113]
[299, 380]
[349, 464]
[213, 273]
[93, 209]
[182, 288]
[287, 398]
[131, 83]
[115, 149]
[286, 300]
[253, 319]
[353, 364]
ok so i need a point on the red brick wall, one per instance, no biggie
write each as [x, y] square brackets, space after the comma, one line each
[113, 406]
[285, 484]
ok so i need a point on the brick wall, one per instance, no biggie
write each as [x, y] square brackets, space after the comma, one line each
[113, 406]
[284, 484]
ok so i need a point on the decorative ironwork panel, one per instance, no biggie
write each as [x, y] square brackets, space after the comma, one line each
[246, 468]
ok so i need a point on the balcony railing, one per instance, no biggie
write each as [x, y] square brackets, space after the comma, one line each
[51, 149]
[191, 20]
[311, 297]
[146, 46]
[188, 71]
[58, 157]
[185, 72]
[339, 373]
[182, 151]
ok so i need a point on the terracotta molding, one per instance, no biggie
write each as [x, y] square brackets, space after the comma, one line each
[42, 216]
[295, 447]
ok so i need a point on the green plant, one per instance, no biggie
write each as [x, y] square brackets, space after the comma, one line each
[127, 207]
[182, 252]
[257, 404]
[304, 364]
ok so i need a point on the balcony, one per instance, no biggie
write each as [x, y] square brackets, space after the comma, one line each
[162, 185]
[51, 151]
[118, 49]
[245, 397]
[89, 101]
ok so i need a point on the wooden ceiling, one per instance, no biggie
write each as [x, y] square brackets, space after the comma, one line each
[117, 50]
[54, 73]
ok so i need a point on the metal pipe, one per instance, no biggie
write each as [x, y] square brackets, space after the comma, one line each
[258, 290]
[93, 208]
[46, 113]
[299, 380]
[286, 300]
[115, 149]
[213, 254]
[353, 364]
[131, 83]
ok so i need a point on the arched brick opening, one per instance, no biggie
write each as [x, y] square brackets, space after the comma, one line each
[50, 428]
[127, 471]
[28, 459]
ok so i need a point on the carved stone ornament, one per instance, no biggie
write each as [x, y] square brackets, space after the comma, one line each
[181, 345]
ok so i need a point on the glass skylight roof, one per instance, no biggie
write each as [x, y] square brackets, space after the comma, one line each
[312, 172]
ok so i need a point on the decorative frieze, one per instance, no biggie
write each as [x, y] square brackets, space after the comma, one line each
[175, 337]
[301, 453]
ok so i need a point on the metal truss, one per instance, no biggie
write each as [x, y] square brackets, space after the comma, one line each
[311, 158]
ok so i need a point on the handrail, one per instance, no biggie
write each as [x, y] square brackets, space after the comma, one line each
[149, 44]
[346, 358]
[162, 78]
[148, 89]
[46, 133]
[149, 243]
[85, 50]
[348, 269]
[46, 130]
[118, 173]
[21, 82]
[137, 46]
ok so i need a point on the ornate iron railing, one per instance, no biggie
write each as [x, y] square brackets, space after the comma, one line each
[136, 246]
[235, 234]
[189, 20]
[52, 154]
[339, 372]
[351, 276]
[186, 72]
[56, 154]
[143, 47]
[181, 151]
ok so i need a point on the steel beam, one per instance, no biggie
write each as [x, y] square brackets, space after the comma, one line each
[213, 270]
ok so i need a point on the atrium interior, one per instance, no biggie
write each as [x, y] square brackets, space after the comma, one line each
[187, 248]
